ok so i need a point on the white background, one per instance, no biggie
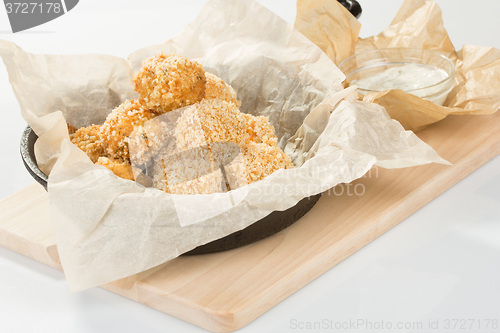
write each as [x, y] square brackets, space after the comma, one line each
[440, 264]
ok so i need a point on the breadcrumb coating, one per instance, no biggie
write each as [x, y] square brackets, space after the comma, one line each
[119, 167]
[210, 120]
[89, 140]
[119, 124]
[216, 88]
[206, 184]
[207, 147]
[259, 130]
[168, 82]
[262, 160]
[184, 169]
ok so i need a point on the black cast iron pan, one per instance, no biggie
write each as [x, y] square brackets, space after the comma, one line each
[269, 225]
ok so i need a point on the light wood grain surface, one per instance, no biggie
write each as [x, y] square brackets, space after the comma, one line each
[225, 291]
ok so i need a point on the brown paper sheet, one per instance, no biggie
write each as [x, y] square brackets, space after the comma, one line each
[418, 24]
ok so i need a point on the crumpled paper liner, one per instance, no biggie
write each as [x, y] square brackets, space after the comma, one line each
[418, 24]
[108, 228]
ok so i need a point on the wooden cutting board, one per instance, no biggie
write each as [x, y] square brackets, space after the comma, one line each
[225, 291]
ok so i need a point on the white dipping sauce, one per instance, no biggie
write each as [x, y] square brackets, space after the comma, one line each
[408, 77]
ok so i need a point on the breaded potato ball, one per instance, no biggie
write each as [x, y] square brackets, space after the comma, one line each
[209, 146]
[259, 130]
[210, 120]
[119, 167]
[119, 124]
[168, 82]
[205, 184]
[260, 160]
[216, 88]
[89, 140]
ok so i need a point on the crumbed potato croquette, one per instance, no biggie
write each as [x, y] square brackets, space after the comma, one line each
[209, 146]
[89, 140]
[165, 83]
[216, 88]
[119, 167]
[259, 130]
[119, 124]
[205, 184]
[211, 120]
[262, 160]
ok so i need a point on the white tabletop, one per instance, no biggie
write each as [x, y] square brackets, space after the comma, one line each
[438, 271]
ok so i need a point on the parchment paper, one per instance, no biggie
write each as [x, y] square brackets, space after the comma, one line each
[418, 24]
[108, 228]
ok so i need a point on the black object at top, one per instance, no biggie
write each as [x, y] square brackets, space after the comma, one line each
[353, 6]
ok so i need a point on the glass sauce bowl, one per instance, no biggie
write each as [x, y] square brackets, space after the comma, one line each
[424, 73]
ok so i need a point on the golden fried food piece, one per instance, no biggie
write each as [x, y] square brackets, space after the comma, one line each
[184, 169]
[263, 160]
[210, 120]
[119, 167]
[259, 130]
[118, 126]
[207, 147]
[89, 140]
[165, 83]
[216, 88]
[206, 184]
[256, 161]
